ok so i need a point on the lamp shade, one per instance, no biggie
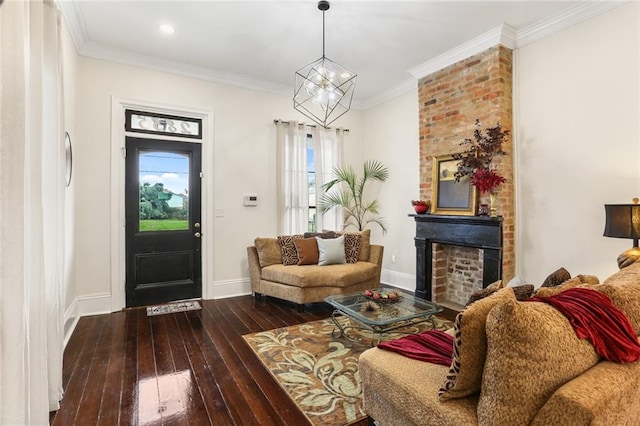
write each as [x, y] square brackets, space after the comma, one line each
[622, 221]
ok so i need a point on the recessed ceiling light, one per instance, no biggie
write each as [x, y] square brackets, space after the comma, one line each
[167, 29]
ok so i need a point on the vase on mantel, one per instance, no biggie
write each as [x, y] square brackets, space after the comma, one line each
[492, 203]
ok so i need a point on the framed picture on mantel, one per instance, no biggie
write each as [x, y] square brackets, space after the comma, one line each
[449, 196]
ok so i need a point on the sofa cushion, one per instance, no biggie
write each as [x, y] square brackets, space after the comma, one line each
[331, 251]
[307, 249]
[402, 391]
[288, 249]
[606, 394]
[625, 275]
[268, 251]
[532, 350]
[470, 346]
[626, 297]
[343, 275]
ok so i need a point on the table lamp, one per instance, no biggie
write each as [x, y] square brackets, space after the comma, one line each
[623, 221]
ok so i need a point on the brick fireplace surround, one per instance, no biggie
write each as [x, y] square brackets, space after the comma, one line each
[450, 100]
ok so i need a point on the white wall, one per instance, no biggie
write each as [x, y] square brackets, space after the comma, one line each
[244, 162]
[390, 135]
[69, 64]
[577, 143]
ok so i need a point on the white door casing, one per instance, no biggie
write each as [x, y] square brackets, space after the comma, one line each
[117, 223]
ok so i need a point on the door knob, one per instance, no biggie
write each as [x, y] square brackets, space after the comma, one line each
[197, 235]
[196, 225]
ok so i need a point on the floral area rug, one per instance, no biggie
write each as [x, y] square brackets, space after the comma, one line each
[320, 371]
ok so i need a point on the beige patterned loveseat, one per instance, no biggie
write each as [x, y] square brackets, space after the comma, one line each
[515, 363]
[302, 284]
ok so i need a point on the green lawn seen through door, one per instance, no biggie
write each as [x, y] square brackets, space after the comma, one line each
[147, 225]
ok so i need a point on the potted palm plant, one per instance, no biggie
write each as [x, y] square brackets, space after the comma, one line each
[347, 191]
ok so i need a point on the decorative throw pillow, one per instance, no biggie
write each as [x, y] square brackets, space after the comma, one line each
[589, 279]
[365, 245]
[480, 294]
[557, 277]
[352, 246]
[323, 235]
[288, 249]
[526, 362]
[552, 291]
[496, 285]
[307, 249]
[470, 346]
[523, 292]
[331, 251]
[365, 242]
[515, 282]
[268, 251]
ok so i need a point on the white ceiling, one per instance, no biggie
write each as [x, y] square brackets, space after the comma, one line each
[260, 44]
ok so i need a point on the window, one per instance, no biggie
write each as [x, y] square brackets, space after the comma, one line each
[311, 180]
[306, 158]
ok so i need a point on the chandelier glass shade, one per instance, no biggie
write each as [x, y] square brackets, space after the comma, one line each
[323, 89]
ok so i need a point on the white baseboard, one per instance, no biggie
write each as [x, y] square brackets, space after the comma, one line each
[93, 304]
[398, 279]
[228, 288]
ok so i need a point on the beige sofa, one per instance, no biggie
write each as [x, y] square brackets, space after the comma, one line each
[303, 284]
[517, 363]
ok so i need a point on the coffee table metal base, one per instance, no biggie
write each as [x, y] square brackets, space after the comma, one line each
[375, 330]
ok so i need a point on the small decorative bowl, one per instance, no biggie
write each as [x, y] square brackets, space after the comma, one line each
[420, 206]
[382, 296]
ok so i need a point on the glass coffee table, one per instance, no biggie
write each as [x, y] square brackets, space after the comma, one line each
[387, 315]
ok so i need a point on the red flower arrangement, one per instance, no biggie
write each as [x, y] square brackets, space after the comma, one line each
[486, 180]
[476, 161]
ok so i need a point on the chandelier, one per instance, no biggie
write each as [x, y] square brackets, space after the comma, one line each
[323, 89]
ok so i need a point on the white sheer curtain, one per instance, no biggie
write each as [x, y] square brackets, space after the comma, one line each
[327, 146]
[31, 212]
[293, 187]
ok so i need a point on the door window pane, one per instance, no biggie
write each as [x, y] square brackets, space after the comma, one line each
[164, 191]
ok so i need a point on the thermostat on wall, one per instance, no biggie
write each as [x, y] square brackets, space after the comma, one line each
[250, 200]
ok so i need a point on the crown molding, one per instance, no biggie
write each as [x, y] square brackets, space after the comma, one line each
[502, 34]
[513, 39]
[563, 20]
[99, 51]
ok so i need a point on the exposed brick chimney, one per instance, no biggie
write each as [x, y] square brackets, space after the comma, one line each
[450, 101]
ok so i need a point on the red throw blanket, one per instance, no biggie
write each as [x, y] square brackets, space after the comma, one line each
[432, 346]
[594, 317]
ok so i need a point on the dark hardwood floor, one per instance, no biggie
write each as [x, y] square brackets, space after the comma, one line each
[189, 368]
